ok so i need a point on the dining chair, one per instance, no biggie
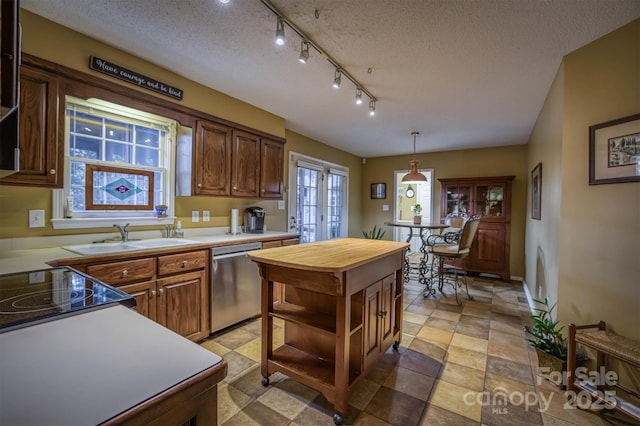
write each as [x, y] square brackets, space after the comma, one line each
[456, 249]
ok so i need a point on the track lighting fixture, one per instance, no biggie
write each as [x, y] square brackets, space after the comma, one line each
[358, 96]
[337, 79]
[280, 31]
[304, 52]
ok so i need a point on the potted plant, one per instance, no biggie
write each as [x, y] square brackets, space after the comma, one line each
[551, 345]
[375, 234]
[417, 218]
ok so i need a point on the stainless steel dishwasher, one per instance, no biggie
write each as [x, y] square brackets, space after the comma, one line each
[235, 285]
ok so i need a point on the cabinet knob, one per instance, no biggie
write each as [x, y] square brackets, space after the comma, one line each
[199, 185]
[161, 290]
[235, 188]
[125, 273]
[263, 191]
[184, 263]
[52, 171]
[153, 293]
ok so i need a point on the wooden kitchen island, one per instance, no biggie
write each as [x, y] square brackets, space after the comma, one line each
[342, 309]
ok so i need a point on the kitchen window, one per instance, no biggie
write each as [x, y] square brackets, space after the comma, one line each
[319, 205]
[118, 165]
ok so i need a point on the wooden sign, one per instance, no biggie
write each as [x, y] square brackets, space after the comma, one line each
[133, 77]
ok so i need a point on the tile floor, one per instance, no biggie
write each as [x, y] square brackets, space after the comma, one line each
[454, 367]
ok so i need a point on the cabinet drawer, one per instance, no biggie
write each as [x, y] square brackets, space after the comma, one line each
[182, 262]
[121, 272]
[291, 242]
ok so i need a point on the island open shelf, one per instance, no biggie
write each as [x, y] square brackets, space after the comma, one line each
[341, 309]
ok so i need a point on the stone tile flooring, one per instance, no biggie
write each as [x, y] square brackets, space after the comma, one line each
[466, 365]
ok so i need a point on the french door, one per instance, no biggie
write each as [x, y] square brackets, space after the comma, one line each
[407, 196]
[318, 202]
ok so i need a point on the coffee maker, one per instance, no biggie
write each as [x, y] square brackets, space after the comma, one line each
[254, 220]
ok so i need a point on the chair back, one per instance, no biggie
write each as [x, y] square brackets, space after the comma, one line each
[469, 233]
[455, 220]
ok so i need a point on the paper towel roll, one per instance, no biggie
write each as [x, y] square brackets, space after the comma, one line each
[234, 221]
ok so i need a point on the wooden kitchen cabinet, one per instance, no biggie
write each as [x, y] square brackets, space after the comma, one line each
[212, 174]
[41, 129]
[171, 289]
[232, 162]
[271, 169]
[379, 313]
[491, 198]
[245, 164]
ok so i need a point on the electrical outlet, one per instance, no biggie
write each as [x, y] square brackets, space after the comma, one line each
[195, 216]
[36, 218]
[205, 216]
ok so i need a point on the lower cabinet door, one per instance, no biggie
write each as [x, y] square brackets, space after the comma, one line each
[371, 324]
[180, 304]
[145, 294]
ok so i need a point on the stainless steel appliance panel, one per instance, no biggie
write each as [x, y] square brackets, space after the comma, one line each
[235, 285]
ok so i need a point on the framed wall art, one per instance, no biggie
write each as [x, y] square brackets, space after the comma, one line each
[536, 192]
[378, 191]
[614, 151]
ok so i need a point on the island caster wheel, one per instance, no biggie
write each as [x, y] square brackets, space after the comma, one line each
[396, 345]
[337, 419]
[265, 381]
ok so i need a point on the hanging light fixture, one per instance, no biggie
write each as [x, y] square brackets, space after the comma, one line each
[414, 176]
[372, 107]
[358, 96]
[304, 52]
[280, 32]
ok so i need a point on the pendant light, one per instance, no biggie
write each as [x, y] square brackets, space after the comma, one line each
[414, 176]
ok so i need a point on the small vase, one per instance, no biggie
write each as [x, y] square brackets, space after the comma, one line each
[417, 220]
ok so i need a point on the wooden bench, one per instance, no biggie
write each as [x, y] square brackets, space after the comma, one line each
[605, 343]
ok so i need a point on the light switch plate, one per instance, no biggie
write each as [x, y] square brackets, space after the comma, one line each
[195, 216]
[385, 207]
[36, 218]
[280, 204]
[205, 216]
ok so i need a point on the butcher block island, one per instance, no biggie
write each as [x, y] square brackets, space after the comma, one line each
[341, 304]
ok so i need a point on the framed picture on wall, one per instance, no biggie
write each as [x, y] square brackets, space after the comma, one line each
[378, 191]
[536, 192]
[614, 151]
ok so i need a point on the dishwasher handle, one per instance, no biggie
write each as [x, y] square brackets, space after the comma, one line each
[227, 256]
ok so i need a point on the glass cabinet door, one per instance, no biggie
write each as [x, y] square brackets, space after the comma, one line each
[458, 200]
[489, 200]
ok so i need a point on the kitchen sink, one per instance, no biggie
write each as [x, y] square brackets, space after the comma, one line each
[106, 248]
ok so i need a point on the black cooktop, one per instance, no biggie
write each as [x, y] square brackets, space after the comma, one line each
[28, 298]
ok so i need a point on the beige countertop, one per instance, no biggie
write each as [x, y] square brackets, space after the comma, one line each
[22, 256]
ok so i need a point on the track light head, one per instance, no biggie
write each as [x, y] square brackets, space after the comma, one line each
[358, 96]
[337, 79]
[280, 32]
[304, 52]
[372, 107]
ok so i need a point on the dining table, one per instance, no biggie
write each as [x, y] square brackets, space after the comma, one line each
[423, 230]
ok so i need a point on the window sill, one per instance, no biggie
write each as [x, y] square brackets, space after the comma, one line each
[93, 222]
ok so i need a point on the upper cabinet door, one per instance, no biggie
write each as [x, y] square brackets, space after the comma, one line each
[271, 179]
[40, 131]
[245, 156]
[212, 174]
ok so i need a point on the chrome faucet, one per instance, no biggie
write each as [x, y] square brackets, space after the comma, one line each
[124, 231]
[167, 231]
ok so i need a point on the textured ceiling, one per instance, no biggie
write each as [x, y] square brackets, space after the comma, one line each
[465, 73]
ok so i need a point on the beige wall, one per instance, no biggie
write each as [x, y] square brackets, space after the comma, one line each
[503, 161]
[599, 273]
[542, 236]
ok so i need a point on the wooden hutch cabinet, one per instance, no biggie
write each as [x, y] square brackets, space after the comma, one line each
[491, 198]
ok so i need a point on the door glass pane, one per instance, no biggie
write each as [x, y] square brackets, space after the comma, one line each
[307, 204]
[335, 202]
[489, 200]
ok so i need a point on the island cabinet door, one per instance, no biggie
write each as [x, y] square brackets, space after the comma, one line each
[145, 294]
[372, 323]
[387, 314]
